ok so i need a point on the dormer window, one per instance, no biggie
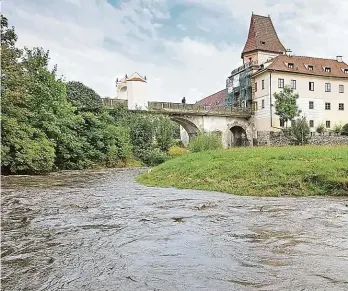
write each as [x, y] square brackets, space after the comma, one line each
[290, 65]
[310, 67]
[263, 42]
[328, 69]
[345, 71]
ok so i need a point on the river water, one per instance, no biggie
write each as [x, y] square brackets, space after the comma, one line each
[99, 230]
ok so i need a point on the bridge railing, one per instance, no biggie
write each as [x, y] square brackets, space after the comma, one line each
[199, 109]
[109, 102]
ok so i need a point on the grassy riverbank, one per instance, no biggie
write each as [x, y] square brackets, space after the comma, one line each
[258, 171]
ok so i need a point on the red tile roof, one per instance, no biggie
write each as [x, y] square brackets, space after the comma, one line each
[216, 99]
[301, 63]
[262, 36]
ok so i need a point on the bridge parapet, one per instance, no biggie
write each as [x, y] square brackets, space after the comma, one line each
[195, 109]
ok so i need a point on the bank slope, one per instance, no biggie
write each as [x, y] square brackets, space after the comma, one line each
[258, 171]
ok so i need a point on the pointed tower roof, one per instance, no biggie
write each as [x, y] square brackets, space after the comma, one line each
[262, 36]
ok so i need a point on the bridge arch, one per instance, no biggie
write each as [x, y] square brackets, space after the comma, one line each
[239, 134]
[191, 129]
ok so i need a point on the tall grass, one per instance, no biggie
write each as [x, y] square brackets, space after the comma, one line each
[205, 142]
[259, 171]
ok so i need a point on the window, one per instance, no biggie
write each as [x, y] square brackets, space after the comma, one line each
[255, 86]
[327, 69]
[310, 67]
[263, 103]
[293, 84]
[311, 123]
[327, 123]
[311, 86]
[255, 106]
[280, 83]
[346, 71]
[340, 106]
[341, 88]
[311, 105]
[327, 87]
[327, 106]
[263, 84]
[290, 65]
[281, 122]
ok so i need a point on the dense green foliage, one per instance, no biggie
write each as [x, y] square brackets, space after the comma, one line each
[299, 132]
[285, 104]
[47, 124]
[344, 130]
[261, 171]
[320, 128]
[205, 142]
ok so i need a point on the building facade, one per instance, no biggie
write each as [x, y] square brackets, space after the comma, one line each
[322, 84]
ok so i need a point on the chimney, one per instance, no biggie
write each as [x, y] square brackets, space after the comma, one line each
[339, 59]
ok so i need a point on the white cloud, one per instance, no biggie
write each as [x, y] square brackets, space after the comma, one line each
[74, 32]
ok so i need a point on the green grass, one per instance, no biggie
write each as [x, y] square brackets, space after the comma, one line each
[258, 171]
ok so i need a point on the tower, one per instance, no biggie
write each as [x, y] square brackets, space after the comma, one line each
[133, 88]
[263, 42]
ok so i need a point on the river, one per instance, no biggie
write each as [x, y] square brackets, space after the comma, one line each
[99, 230]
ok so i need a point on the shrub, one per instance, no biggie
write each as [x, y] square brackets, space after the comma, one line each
[344, 130]
[299, 132]
[176, 151]
[153, 157]
[178, 142]
[337, 128]
[321, 128]
[205, 142]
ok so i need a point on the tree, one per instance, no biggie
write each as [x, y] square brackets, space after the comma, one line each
[51, 112]
[299, 133]
[164, 132]
[285, 104]
[141, 132]
[83, 97]
[24, 148]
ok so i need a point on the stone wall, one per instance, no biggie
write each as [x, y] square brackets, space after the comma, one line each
[278, 139]
[329, 140]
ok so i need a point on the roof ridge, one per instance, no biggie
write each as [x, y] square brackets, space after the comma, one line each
[318, 58]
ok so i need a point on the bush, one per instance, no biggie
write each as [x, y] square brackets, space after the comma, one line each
[320, 128]
[176, 151]
[153, 157]
[344, 130]
[337, 129]
[299, 132]
[205, 142]
[178, 142]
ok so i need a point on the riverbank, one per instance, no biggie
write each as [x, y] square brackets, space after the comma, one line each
[258, 171]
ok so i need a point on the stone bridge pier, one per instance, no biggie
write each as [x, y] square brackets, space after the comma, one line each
[234, 131]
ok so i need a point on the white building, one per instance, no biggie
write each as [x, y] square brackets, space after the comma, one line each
[134, 89]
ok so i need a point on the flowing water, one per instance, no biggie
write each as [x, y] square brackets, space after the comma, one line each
[99, 230]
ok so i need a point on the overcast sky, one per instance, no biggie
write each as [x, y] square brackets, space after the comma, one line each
[184, 47]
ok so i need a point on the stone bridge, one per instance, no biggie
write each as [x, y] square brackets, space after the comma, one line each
[233, 124]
